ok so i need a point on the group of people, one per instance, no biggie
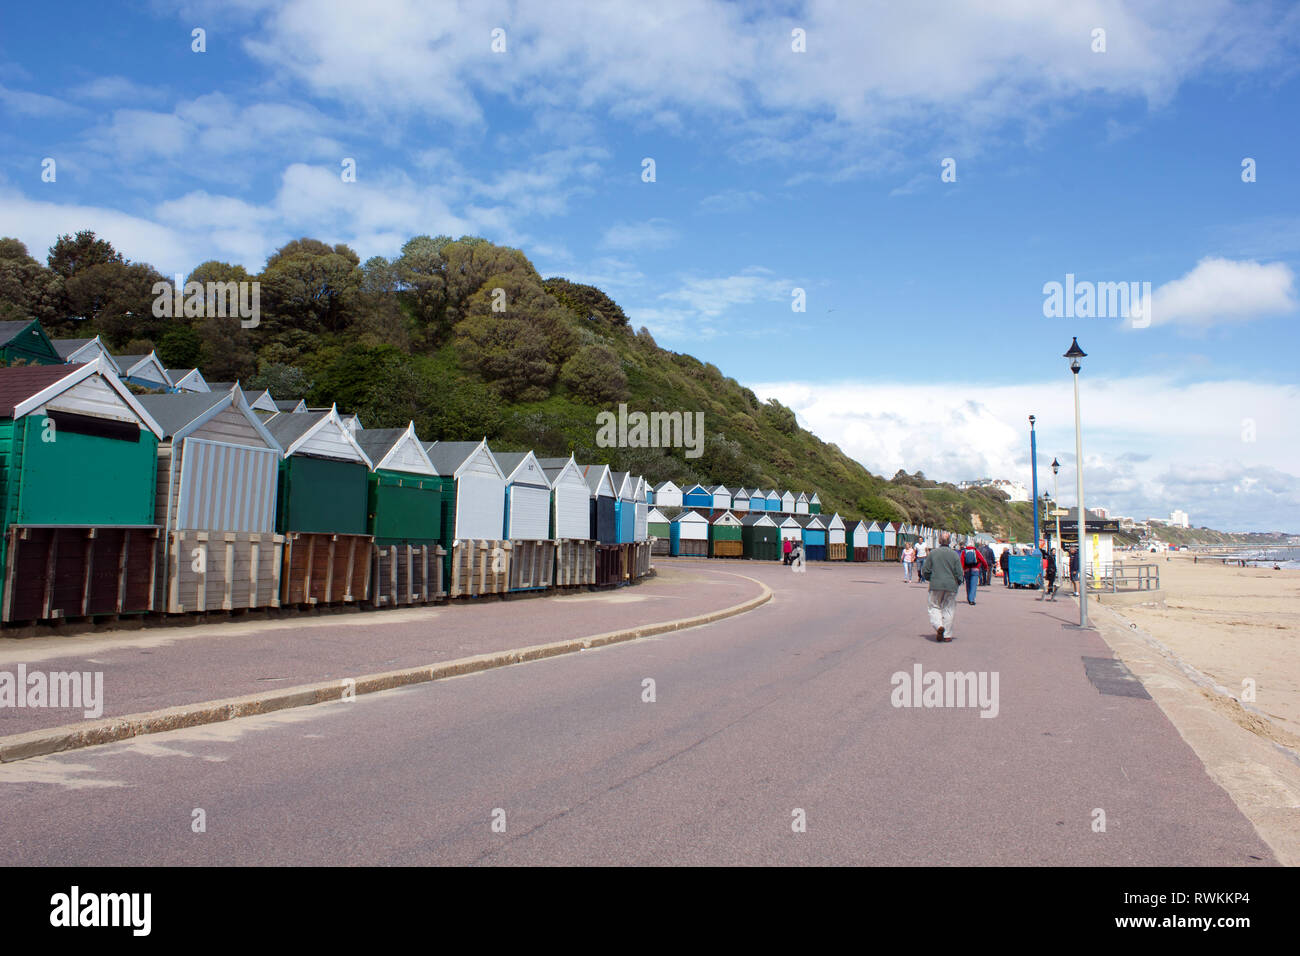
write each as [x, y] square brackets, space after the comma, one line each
[948, 570]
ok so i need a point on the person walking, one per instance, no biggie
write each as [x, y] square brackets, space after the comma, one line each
[987, 578]
[1049, 575]
[1004, 562]
[785, 549]
[942, 568]
[1074, 571]
[972, 564]
[909, 557]
[922, 549]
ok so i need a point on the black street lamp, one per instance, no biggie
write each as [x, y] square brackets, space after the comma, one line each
[1074, 354]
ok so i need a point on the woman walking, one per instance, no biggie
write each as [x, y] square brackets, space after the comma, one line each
[909, 558]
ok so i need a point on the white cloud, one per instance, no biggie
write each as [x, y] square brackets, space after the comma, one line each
[1222, 290]
[651, 234]
[1149, 443]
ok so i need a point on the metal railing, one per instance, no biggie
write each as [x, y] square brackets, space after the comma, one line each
[1111, 578]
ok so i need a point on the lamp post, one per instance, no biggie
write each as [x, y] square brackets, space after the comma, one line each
[1056, 494]
[1033, 455]
[1074, 354]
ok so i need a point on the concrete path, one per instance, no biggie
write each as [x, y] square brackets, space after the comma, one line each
[777, 717]
[160, 667]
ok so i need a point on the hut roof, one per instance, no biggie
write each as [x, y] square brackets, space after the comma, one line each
[757, 517]
[174, 412]
[11, 330]
[25, 388]
[448, 456]
[511, 460]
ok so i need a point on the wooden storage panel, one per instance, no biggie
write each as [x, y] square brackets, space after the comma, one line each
[661, 545]
[862, 554]
[532, 565]
[406, 573]
[323, 568]
[836, 552]
[893, 553]
[222, 571]
[479, 567]
[698, 547]
[727, 549]
[609, 565]
[641, 564]
[575, 562]
[55, 572]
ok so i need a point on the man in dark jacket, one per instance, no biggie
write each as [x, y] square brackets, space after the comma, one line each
[1004, 562]
[986, 572]
[1074, 571]
[1049, 576]
[972, 564]
[942, 568]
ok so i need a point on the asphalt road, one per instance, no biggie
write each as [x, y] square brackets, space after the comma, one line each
[787, 708]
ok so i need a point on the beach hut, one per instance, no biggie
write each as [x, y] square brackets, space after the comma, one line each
[789, 528]
[575, 551]
[667, 494]
[321, 509]
[760, 539]
[697, 496]
[603, 503]
[188, 380]
[658, 528]
[876, 541]
[814, 537]
[859, 541]
[814, 505]
[773, 499]
[642, 498]
[787, 502]
[144, 370]
[217, 481]
[404, 514]
[528, 521]
[724, 537]
[689, 534]
[721, 498]
[801, 504]
[836, 543]
[81, 351]
[892, 548]
[78, 459]
[24, 342]
[473, 517]
[624, 506]
[740, 500]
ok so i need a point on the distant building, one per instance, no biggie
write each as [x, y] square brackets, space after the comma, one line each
[1101, 512]
[1178, 519]
[1014, 490]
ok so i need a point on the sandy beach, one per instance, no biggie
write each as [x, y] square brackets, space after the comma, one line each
[1231, 624]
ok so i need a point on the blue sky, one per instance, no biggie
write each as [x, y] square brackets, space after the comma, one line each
[923, 345]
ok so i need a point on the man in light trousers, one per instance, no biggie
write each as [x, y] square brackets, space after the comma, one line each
[942, 568]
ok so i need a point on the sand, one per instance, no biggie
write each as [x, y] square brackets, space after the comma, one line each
[1232, 624]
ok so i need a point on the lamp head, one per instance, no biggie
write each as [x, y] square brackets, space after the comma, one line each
[1074, 354]
[1031, 421]
[1056, 466]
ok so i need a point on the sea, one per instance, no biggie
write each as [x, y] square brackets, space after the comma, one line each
[1284, 557]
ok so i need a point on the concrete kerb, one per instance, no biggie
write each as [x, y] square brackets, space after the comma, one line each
[52, 740]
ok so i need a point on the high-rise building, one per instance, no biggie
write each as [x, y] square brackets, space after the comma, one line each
[1179, 519]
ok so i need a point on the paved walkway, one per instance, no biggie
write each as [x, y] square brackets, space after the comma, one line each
[161, 667]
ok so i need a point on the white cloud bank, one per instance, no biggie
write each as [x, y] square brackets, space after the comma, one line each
[1227, 452]
[1223, 290]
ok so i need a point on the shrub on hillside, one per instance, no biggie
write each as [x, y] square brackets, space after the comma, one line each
[595, 375]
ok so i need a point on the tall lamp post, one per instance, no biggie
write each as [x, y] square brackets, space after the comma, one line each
[1074, 354]
[1056, 495]
[1033, 455]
